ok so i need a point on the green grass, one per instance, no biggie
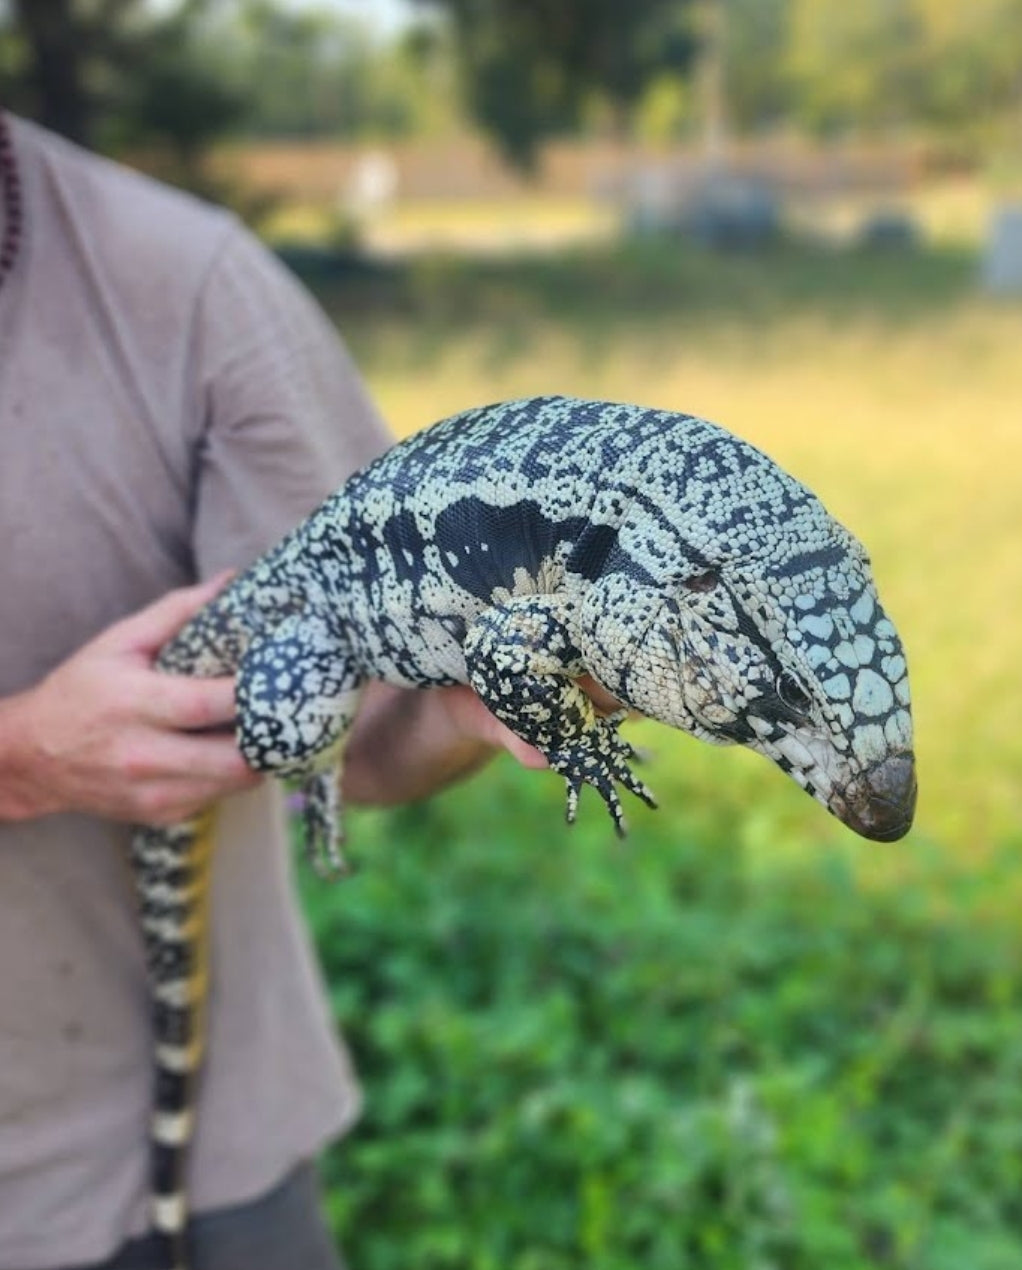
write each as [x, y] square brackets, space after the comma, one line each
[580, 1054]
[746, 1039]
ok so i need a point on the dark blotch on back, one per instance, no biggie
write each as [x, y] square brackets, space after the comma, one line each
[406, 546]
[517, 537]
[591, 551]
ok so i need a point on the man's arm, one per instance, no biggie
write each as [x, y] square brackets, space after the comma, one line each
[409, 742]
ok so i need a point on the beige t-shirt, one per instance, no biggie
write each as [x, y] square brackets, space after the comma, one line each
[170, 403]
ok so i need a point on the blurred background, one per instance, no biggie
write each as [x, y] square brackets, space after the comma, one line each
[745, 1039]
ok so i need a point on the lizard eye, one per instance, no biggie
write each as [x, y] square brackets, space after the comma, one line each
[792, 693]
[702, 581]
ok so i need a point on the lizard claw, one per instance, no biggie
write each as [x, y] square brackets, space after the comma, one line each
[609, 795]
[601, 758]
[572, 787]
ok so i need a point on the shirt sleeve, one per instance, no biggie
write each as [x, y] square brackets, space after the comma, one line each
[285, 416]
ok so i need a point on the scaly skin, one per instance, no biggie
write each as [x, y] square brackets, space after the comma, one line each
[516, 548]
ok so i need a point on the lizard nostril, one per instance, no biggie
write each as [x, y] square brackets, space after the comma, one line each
[707, 581]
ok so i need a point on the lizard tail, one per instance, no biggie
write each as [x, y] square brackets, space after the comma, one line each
[171, 868]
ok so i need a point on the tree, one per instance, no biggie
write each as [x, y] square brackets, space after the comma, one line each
[973, 82]
[82, 67]
[530, 67]
[950, 69]
[856, 65]
[756, 84]
[56, 37]
[316, 72]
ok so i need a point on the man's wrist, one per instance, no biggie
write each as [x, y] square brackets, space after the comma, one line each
[408, 743]
[19, 790]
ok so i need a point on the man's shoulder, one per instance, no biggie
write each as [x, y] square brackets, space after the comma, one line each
[124, 215]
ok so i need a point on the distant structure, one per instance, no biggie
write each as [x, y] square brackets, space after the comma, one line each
[889, 229]
[372, 185]
[1002, 260]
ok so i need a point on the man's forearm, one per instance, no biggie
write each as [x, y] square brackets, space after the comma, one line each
[405, 745]
[409, 743]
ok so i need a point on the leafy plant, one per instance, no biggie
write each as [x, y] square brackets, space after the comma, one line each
[583, 1055]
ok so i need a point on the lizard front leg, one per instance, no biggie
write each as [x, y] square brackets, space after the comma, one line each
[522, 662]
[297, 689]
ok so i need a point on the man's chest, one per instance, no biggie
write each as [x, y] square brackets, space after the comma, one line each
[94, 490]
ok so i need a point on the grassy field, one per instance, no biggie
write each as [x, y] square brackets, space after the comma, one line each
[887, 383]
[748, 1040]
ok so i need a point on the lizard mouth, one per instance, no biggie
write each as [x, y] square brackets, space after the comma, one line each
[881, 803]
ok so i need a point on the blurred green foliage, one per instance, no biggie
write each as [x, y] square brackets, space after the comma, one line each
[586, 1054]
[521, 69]
[530, 68]
[317, 72]
[892, 63]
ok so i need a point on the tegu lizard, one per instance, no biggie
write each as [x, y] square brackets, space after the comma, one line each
[518, 547]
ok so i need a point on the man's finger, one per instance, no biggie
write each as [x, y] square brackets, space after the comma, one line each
[525, 753]
[212, 761]
[149, 629]
[600, 697]
[187, 703]
[169, 801]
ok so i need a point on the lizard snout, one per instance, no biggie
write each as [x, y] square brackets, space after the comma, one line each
[882, 802]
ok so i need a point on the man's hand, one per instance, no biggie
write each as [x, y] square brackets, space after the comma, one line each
[106, 733]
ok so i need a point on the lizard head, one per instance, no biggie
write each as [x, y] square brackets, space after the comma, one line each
[754, 619]
[803, 666]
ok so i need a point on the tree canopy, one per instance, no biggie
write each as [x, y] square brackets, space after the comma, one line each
[530, 67]
[526, 68]
[181, 73]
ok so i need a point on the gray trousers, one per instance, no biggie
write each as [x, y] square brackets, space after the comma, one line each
[283, 1230]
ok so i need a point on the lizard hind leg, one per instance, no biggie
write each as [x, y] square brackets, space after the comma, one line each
[321, 822]
[297, 690]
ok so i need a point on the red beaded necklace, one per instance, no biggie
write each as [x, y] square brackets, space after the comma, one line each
[10, 191]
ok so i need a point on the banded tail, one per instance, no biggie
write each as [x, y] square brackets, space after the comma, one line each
[171, 867]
